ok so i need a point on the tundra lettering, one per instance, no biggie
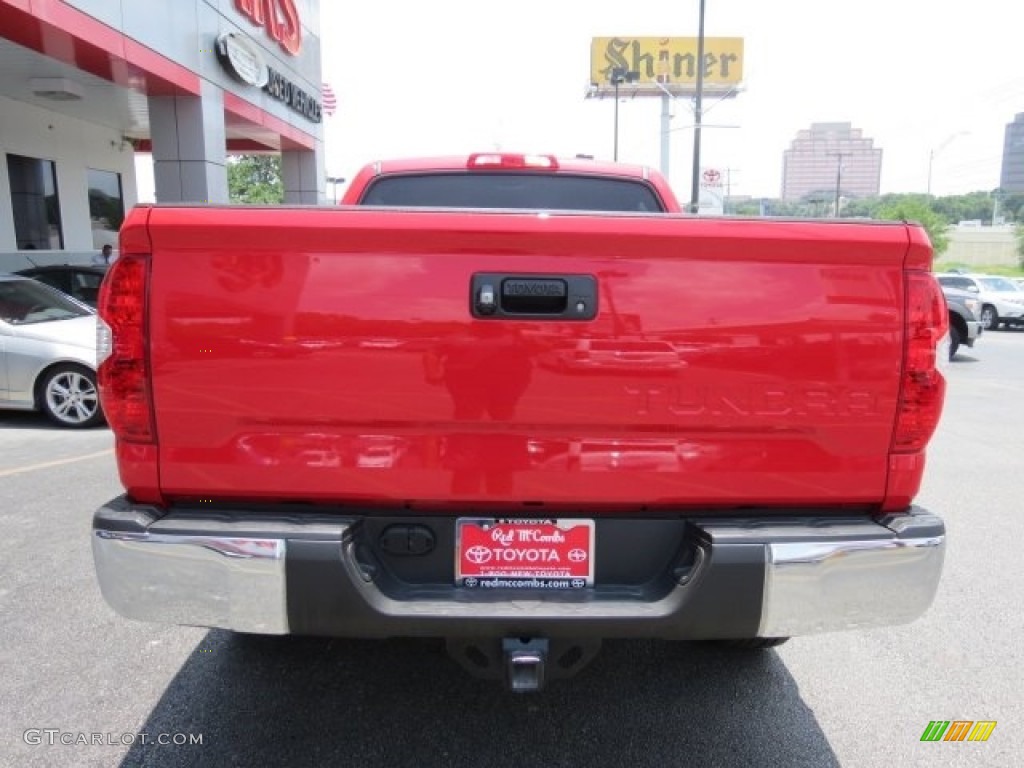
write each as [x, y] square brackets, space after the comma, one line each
[730, 400]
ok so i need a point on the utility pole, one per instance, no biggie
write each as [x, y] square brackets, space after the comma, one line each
[839, 175]
[698, 111]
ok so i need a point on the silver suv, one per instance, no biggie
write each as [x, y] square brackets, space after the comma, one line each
[1001, 301]
[964, 325]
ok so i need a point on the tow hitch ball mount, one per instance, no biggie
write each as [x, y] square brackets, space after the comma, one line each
[524, 663]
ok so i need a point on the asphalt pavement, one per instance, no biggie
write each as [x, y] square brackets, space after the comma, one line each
[72, 671]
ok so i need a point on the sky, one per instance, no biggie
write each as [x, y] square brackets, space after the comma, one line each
[925, 80]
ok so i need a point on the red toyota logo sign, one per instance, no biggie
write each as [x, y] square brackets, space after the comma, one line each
[711, 176]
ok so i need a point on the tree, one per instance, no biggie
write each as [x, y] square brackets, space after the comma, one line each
[974, 206]
[1019, 234]
[1013, 206]
[255, 180]
[747, 208]
[865, 207]
[909, 209]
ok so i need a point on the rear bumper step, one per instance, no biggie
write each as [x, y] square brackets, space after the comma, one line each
[319, 575]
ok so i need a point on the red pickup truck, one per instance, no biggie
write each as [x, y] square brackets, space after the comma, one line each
[520, 404]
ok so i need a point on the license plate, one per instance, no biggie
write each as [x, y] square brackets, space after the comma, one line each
[524, 554]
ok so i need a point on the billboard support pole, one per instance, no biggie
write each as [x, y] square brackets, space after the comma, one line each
[666, 129]
[698, 108]
[616, 79]
[619, 76]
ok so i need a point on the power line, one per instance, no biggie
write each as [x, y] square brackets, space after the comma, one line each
[974, 163]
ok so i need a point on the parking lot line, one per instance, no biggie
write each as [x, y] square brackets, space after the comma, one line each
[57, 463]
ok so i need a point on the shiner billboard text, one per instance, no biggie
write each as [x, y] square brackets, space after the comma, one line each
[669, 61]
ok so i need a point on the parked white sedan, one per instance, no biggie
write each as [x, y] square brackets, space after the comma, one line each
[47, 353]
[1001, 302]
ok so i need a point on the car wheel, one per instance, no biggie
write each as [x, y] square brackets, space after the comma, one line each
[955, 340]
[989, 318]
[68, 396]
[753, 643]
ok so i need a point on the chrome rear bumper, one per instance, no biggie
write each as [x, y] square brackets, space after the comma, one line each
[819, 586]
[209, 581]
[773, 577]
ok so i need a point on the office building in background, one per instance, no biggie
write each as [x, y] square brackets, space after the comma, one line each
[1011, 179]
[826, 154]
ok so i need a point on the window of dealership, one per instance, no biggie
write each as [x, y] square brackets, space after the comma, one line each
[90, 86]
[35, 204]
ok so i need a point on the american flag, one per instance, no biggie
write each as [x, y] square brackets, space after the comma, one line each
[329, 99]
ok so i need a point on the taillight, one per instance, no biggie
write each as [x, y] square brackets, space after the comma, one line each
[922, 387]
[122, 353]
[499, 160]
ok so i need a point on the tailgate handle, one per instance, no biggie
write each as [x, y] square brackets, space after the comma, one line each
[527, 295]
[538, 297]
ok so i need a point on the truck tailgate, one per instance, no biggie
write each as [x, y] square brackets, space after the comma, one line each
[331, 355]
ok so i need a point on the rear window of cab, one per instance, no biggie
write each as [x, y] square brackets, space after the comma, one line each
[510, 190]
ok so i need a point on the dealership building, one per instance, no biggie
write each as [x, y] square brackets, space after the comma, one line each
[86, 85]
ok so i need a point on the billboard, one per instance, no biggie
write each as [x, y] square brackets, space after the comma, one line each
[657, 64]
